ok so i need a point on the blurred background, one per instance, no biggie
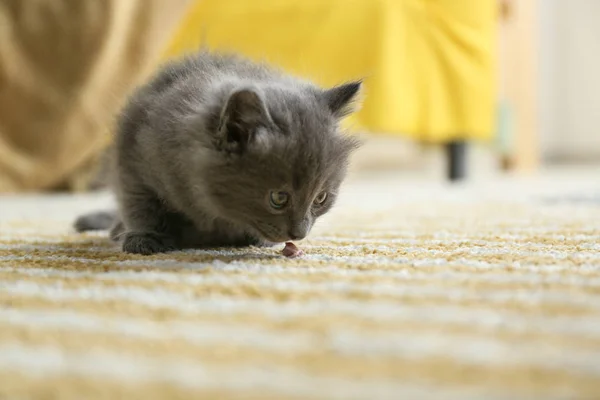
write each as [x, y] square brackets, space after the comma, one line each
[455, 89]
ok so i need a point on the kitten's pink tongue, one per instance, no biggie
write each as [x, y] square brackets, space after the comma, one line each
[291, 250]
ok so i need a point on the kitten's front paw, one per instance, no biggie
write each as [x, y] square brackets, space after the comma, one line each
[147, 243]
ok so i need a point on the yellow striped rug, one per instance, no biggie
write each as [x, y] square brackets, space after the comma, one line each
[405, 292]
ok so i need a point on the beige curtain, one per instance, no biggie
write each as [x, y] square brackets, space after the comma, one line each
[66, 67]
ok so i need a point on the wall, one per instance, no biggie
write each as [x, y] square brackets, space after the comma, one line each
[569, 81]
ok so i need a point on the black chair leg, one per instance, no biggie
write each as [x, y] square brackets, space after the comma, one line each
[457, 160]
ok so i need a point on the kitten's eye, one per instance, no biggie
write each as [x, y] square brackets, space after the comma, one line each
[321, 197]
[278, 200]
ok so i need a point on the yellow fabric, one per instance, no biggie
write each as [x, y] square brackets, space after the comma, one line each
[429, 64]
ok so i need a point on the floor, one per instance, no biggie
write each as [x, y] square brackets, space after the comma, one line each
[411, 288]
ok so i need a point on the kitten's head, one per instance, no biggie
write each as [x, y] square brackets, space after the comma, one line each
[280, 157]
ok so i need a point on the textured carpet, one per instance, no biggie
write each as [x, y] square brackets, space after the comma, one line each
[405, 292]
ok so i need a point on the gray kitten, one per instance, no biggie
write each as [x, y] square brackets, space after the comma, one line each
[217, 150]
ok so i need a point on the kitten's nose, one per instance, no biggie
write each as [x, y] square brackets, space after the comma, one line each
[295, 237]
[299, 230]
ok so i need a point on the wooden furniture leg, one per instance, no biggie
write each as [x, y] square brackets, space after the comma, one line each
[457, 163]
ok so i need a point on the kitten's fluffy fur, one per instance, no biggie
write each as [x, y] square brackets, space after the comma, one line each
[202, 146]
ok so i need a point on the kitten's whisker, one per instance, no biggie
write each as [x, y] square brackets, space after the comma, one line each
[119, 235]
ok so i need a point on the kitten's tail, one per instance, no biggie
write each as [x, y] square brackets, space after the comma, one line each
[96, 221]
[101, 220]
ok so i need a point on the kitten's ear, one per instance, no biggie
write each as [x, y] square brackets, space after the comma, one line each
[341, 99]
[243, 114]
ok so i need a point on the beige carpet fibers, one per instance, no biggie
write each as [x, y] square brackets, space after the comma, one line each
[405, 292]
